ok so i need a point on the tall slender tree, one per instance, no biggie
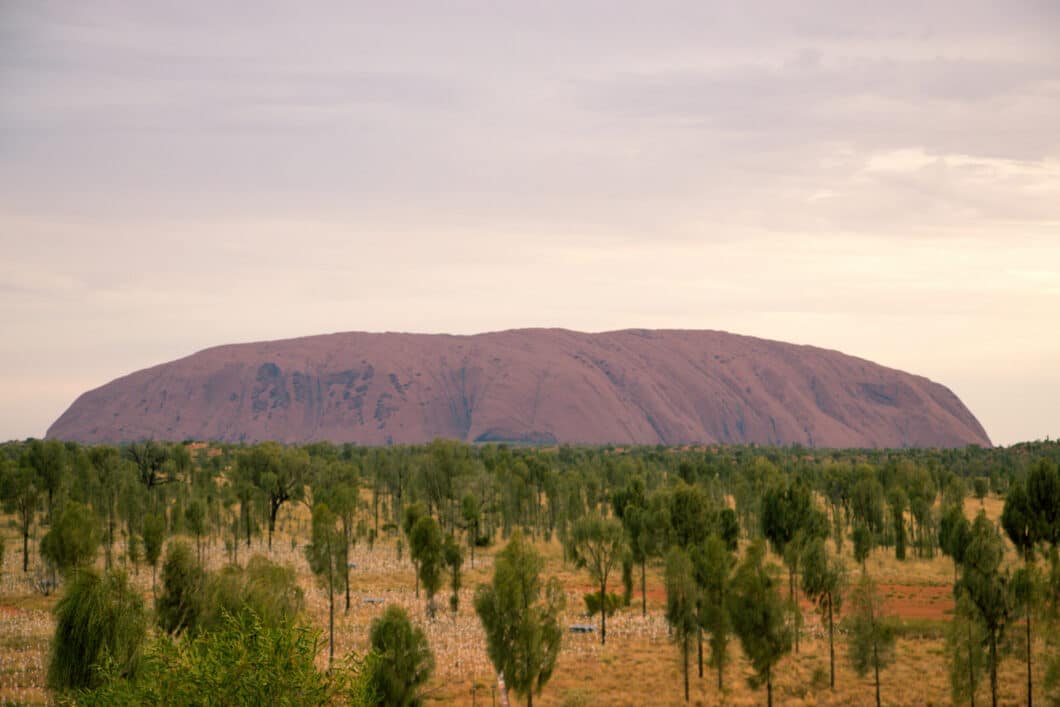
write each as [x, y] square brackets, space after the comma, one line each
[870, 633]
[682, 597]
[757, 613]
[597, 545]
[521, 617]
[327, 556]
[823, 578]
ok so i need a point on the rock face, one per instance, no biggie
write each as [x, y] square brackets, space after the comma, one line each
[527, 385]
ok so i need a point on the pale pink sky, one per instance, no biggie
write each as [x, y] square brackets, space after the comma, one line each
[881, 181]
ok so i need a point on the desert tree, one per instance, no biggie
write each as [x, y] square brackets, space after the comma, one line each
[1043, 496]
[861, 539]
[22, 497]
[714, 563]
[404, 661]
[268, 589]
[179, 605]
[966, 658]
[789, 520]
[73, 539]
[150, 458]
[985, 585]
[870, 633]
[597, 544]
[409, 517]
[1025, 589]
[277, 473]
[109, 470]
[326, 554]
[154, 535]
[898, 501]
[99, 620]
[682, 597]
[195, 521]
[453, 556]
[427, 548]
[48, 459]
[954, 535]
[521, 617]
[1019, 522]
[471, 514]
[337, 483]
[823, 578]
[758, 615]
[631, 507]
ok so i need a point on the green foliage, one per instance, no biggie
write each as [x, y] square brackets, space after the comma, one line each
[241, 662]
[179, 605]
[427, 548]
[823, 578]
[592, 603]
[713, 565]
[682, 595]
[99, 619]
[597, 544]
[267, 589]
[404, 661]
[153, 534]
[757, 613]
[48, 459]
[327, 556]
[985, 586]
[523, 633]
[73, 539]
[870, 633]
[965, 654]
[863, 542]
[453, 555]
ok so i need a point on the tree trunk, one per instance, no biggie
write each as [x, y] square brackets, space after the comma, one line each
[416, 569]
[831, 645]
[346, 569]
[769, 687]
[993, 668]
[971, 668]
[603, 612]
[794, 606]
[876, 667]
[699, 649]
[684, 652]
[331, 625]
[643, 589]
[1030, 684]
[25, 549]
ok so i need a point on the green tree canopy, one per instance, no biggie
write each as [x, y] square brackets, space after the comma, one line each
[404, 659]
[99, 620]
[757, 613]
[520, 615]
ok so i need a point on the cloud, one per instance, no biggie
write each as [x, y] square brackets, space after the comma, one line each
[879, 179]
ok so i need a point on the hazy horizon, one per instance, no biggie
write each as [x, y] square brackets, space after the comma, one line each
[880, 181]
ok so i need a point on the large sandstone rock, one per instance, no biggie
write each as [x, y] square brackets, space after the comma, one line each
[527, 385]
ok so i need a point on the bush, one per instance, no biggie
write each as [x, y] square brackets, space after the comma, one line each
[404, 660]
[268, 589]
[592, 603]
[179, 606]
[73, 540]
[99, 621]
[242, 662]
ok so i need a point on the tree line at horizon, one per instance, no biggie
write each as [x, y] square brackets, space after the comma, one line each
[715, 520]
